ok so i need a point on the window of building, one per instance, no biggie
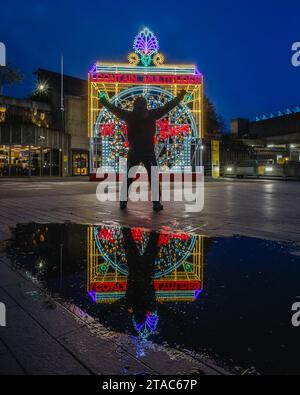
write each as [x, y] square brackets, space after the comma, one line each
[19, 161]
[4, 160]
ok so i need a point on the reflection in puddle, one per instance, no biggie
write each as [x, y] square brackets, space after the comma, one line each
[146, 268]
[150, 285]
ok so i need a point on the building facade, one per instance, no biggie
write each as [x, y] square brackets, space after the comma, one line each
[45, 135]
[274, 138]
[69, 115]
[28, 144]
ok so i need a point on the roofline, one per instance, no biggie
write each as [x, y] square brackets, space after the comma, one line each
[58, 74]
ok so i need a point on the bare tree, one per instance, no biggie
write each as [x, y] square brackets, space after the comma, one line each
[9, 76]
[213, 122]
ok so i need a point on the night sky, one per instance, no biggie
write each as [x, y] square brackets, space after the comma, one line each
[243, 48]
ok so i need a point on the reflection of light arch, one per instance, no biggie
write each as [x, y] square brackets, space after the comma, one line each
[134, 91]
[123, 269]
[180, 261]
[116, 265]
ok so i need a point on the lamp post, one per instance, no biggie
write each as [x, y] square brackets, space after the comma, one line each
[41, 140]
[2, 63]
[62, 110]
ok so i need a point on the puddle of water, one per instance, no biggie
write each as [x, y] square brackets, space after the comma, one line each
[228, 297]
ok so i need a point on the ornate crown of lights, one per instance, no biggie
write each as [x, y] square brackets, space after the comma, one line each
[146, 50]
[148, 327]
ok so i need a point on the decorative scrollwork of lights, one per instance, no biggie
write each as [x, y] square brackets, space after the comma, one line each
[133, 58]
[158, 59]
[146, 50]
[148, 327]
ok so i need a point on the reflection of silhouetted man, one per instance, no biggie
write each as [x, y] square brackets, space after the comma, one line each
[141, 128]
[140, 292]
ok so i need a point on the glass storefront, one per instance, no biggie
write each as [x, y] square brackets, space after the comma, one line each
[35, 161]
[19, 161]
[29, 161]
[80, 162]
[46, 160]
[56, 162]
[4, 160]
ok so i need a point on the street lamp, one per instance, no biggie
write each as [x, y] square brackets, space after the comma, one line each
[42, 87]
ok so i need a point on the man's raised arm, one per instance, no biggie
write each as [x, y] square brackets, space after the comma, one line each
[158, 113]
[117, 111]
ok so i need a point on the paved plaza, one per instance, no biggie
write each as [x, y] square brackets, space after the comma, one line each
[63, 339]
[260, 208]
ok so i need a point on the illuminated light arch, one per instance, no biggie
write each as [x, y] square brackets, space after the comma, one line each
[181, 150]
[145, 72]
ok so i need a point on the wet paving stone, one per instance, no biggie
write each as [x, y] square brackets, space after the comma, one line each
[227, 297]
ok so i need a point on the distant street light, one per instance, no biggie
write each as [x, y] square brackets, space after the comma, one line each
[42, 87]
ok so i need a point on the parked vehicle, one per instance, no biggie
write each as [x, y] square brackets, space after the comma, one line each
[263, 169]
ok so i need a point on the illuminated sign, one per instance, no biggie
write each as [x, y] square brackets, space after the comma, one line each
[158, 285]
[146, 79]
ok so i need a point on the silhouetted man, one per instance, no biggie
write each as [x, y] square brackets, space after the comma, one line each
[140, 291]
[141, 129]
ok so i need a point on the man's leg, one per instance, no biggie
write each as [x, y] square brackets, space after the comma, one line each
[132, 161]
[151, 166]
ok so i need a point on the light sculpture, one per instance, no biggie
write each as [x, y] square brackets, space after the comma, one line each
[178, 134]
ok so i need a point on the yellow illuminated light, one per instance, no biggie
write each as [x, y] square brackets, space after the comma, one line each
[133, 58]
[2, 114]
[158, 59]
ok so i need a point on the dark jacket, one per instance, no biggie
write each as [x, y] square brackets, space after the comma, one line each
[141, 125]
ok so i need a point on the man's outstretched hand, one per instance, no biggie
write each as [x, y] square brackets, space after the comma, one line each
[103, 96]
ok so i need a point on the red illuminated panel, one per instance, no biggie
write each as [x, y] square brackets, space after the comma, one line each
[159, 79]
[159, 286]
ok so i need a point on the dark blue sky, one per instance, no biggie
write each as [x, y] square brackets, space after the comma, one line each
[243, 47]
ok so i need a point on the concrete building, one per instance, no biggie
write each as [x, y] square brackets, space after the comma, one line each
[40, 138]
[274, 138]
[73, 119]
[29, 146]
